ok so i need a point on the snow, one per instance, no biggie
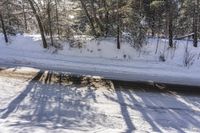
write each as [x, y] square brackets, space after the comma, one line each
[45, 105]
[102, 58]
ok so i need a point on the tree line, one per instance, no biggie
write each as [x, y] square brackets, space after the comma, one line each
[135, 19]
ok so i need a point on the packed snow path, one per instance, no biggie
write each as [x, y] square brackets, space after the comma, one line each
[39, 102]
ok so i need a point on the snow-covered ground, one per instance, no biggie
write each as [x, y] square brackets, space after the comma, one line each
[33, 101]
[102, 58]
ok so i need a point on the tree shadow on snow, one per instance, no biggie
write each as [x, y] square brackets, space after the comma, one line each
[61, 101]
[57, 101]
[16, 102]
[167, 112]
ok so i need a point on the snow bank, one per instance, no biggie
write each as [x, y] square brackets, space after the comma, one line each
[101, 57]
[107, 48]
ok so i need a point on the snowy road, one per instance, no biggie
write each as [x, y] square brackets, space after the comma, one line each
[38, 102]
[109, 69]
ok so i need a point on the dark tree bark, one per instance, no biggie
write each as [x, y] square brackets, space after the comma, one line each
[195, 23]
[39, 23]
[3, 28]
[49, 21]
[25, 18]
[118, 37]
[170, 21]
[57, 18]
[170, 31]
[118, 26]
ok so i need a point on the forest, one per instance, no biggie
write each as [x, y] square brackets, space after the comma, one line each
[99, 66]
[130, 20]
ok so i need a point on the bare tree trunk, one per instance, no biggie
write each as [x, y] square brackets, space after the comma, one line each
[57, 17]
[170, 31]
[195, 23]
[3, 28]
[39, 24]
[49, 21]
[170, 22]
[89, 18]
[118, 27]
[25, 19]
[118, 37]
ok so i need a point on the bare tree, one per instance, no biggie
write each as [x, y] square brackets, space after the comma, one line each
[3, 28]
[195, 23]
[57, 17]
[118, 26]
[24, 15]
[31, 2]
[170, 21]
[49, 20]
